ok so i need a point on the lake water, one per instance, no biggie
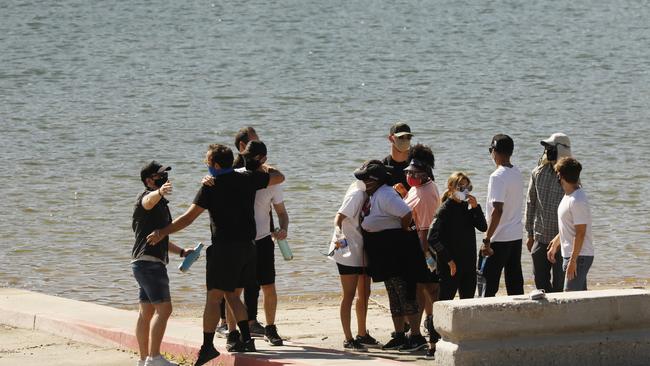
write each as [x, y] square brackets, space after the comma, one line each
[90, 91]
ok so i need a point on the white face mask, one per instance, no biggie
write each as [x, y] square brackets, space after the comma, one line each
[403, 145]
[461, 196]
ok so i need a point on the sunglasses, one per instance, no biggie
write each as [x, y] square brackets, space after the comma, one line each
[405, 137]
[464, 188]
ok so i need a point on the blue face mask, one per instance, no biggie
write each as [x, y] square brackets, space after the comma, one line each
[217, 172]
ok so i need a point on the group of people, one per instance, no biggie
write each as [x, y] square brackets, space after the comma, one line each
[394, 227]
[239, 193]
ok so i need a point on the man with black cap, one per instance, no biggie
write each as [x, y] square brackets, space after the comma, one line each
[543, 199]
[149, 263]
[400, 138]
[504, 237]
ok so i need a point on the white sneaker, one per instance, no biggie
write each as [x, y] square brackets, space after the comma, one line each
[158, 361]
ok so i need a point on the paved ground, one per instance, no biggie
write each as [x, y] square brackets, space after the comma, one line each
[30, 348]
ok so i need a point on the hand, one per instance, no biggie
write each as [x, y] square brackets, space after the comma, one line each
[571, 269]
[472, 201]
[154, 238]
[486, 250]
[280, 234]
[207, 181]
[550, 254]
[187, 252]
[399, 187]
[165, 189]
[529, 243]
[452, 268]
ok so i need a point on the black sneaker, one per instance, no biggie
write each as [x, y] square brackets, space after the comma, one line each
[246, 346]
[256, 329]
[414, 343]
[395, 343]
[205, 355]
[233, 342]
[407, 328]
[431, 354]
[367, 340]
[271, 335]
[354, 346]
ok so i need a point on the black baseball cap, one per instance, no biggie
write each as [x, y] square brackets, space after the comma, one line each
[372, 170]
[502, 144]
[417, 166]
[152, 168]
[400, 129]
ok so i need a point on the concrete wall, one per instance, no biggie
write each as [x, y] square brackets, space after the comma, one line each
[610, 327]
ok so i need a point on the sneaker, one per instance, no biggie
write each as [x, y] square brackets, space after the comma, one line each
[395, 343]
[257, 329]
[222, 330]
[367, 340]
[241, 346]
[431, 354]
[407, 328]
[414, 343]
[158, 361]
[354, 346]
[205, 355]
[232, 341]
[271, 335]
[140, 362]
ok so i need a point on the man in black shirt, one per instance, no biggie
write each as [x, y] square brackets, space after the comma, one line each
[400, 138]
[149, 262]
[230, 202]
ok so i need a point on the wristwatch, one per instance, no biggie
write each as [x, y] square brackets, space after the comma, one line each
[486, 241]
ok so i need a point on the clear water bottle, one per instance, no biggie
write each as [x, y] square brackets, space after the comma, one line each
[284, 248]
[481, 283]
[191, 258]
[431, 262]
[342, 244]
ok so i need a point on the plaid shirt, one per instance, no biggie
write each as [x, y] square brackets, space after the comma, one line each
[544, 196]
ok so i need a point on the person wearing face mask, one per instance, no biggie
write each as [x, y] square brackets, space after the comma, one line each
[400, 145]
[453, 237]
[504, 237]
[394, 253]
[423, 199]
[574, 219]
[543, 198]
[149, 263]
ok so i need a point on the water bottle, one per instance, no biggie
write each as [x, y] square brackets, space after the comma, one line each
[191, 258]
[431, 262]
[481, 283]
[284, 248]
[342, 244]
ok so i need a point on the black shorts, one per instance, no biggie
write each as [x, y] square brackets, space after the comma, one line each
[230, 265]
[265, 261]
[349, 270]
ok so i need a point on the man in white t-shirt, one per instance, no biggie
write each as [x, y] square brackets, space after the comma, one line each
[574, 221]
[504, 237]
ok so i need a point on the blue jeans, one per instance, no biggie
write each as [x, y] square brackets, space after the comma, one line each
[579, 282]
[153, 281]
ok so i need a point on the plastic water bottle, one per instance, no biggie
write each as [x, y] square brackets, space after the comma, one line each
[284, 248]
[342, 244]
[191, 258]
[431, 262]
[481, 283]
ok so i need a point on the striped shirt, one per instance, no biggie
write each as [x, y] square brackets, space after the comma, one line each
[543, 199]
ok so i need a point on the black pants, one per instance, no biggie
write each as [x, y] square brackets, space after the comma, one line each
[548, 276]
[507, 258]
[464, 282]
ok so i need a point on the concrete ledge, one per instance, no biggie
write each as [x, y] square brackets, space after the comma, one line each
[609, 327]
[106, 326]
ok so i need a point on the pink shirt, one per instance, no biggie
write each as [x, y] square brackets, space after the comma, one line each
[424, 201]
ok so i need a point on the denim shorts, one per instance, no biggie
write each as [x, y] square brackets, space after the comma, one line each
[153, 281]
[579, 282]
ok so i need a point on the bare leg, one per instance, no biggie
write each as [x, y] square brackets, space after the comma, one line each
[158, 326]
[349, 286]
[270, 303]
[142, 328]
[211, 313]
[236, 306]
[363, 294]
[230, 317]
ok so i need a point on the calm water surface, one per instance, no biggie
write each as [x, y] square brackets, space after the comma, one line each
[90, 91]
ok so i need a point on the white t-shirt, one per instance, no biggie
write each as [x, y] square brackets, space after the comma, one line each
[506, 185]
[264, 199]
[574, 210]
[386, 210]
[351, 208]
